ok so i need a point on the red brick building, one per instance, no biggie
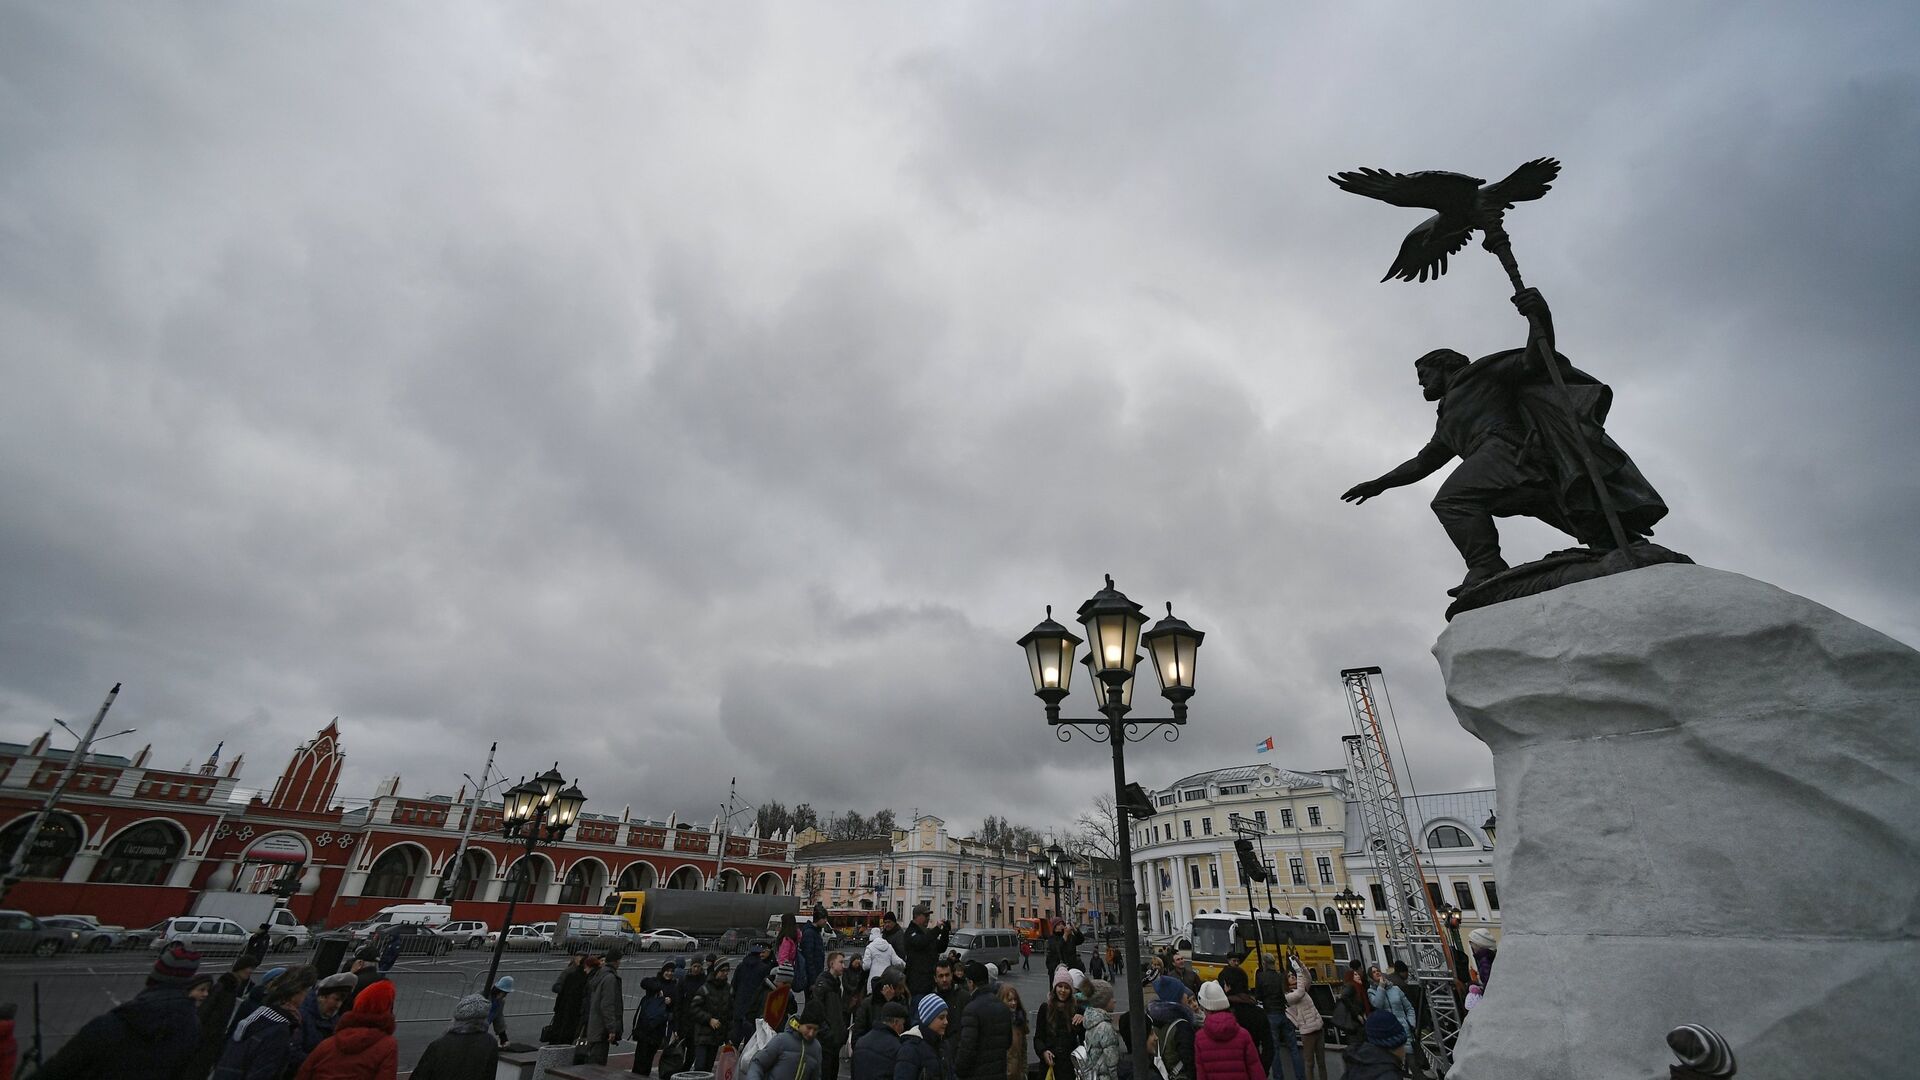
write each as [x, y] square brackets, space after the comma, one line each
[134, 844]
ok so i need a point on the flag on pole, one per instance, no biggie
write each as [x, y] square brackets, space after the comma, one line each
[1266, 745]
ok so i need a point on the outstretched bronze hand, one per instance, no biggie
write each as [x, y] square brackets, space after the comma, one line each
[1363, 491]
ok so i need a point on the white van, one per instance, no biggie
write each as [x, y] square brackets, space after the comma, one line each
[999, 947]
[431, 916]
[584, 932]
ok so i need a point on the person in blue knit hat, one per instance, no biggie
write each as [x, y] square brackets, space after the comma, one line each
[1379, 1057]
[921, 1048]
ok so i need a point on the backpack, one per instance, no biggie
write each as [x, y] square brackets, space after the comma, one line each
[653, 1012]
[1169, 1062]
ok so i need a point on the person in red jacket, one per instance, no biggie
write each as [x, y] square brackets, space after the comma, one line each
[1223, 1050]
[362, 1045]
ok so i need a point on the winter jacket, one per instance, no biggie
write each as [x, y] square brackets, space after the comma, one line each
[879, 957]
[1177, 1026]
[261, 1047]
[569, 1005]
[713, 1001]
[787, 1057]
[1224, 1051]
[1248, 1014]
[459, 1055]
[1017, 1052]
[606, 1008]
[921, 1057]
[866, 1015]
[216, 1021]
[1394, 1000]
[1366, 1061]
[750, 988]
[1054, 1032]
[362, 1048]
[813, 956]
[152, 1036]
[833, 1007]
[313, 1029]
[986, 1032]
[656, 996]
[1302, 1011]
[1103, 1046]
[924, 944]
[875, 1055]
[787, 951]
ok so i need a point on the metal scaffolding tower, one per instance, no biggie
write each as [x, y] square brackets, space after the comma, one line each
[1413, 926]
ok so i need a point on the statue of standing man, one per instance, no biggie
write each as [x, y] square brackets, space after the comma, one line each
[1516, 439]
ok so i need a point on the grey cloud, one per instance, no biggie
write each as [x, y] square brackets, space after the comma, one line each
[690, 396]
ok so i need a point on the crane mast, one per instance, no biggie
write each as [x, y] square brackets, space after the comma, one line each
[1413, 926]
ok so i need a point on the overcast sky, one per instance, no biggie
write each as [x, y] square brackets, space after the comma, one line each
[691, 391]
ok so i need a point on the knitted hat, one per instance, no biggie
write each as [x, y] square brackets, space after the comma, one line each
[505, 985]
[930, 1007]
[893, 1010]
[377, 998]
[176, 966]
[1168, 988]
[815, 1012]
[1482, 938]
[1062, 974]
[1212, 997]
[271, 974]
[470, 1008]
[1384, 1030]
[993, 972]
[202, 979]
[783, 973]
[976, 973]
[343, 983]
[1100, 993]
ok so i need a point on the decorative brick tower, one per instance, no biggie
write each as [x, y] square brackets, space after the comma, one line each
[307, 784]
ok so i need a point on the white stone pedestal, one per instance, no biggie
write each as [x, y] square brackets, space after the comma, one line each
[1709, 813]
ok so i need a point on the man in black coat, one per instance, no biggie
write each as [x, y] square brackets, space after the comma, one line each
[827, 995]
[878, 1051]
[151, 1037]
[921, 948]
[569, 1003]
[986, 1030]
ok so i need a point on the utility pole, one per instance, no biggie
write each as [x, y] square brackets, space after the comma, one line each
[16, 865]
[450, 885]
[726, 827]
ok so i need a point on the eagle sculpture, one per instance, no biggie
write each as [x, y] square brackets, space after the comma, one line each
[1461, 203]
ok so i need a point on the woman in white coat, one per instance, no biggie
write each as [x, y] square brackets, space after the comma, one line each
[879, 957]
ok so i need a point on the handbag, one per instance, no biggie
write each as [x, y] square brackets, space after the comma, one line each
[1473, 995]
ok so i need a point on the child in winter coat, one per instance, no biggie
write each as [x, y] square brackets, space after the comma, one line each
[1103, 1038]
[1223, 1050]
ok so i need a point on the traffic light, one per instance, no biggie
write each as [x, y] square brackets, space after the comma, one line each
[1250, 866]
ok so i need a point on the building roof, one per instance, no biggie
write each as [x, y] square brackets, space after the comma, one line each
[1236, 773]
[1468, 808]
[845, 849]
[94, 757]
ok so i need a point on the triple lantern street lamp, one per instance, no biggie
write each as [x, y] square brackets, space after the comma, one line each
[1055, 871]
[532, 813]
[1113, 627]
[1351, 906]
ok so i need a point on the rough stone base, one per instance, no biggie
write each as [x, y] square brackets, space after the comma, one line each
[1709, 813]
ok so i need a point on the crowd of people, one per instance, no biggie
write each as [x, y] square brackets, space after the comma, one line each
[284, 1023]
[904, 1007]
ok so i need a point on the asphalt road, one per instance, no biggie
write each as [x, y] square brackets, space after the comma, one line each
[74, 989]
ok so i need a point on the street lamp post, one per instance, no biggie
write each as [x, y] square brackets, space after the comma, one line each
[1451, 916]
[1350, 906]
[1487, 827]
[533, 813]
[1113, 623]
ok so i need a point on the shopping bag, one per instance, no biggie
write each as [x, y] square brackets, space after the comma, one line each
[762, 1035]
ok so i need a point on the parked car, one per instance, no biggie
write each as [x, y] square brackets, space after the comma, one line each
[202, 934]
[93, 936]
[546, 930]
[523, 938]
[987, 945]
[667, 940]
[416, 939]
[737, 939]
[22, 934]
[467, 933]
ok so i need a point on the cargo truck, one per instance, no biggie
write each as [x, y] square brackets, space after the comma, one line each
[702, 914]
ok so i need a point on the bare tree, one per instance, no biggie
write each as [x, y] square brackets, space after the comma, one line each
[1097, 835]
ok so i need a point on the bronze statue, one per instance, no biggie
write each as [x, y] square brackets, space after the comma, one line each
[1527, 427]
